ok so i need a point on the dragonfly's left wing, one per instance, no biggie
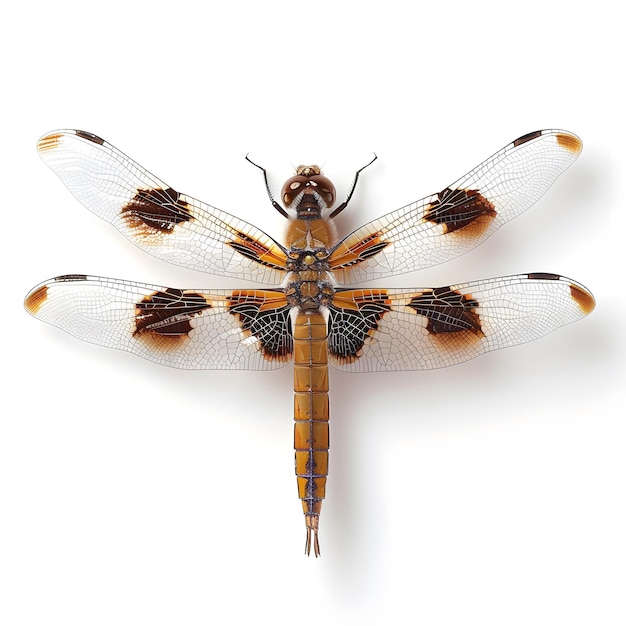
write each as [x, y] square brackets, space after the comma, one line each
[461, 216]
[188, 329]
[401, 329]
[157, 218]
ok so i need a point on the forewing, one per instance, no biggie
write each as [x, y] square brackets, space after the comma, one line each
[461, 216]
[400, 329]
[188, 329]
[160, 220]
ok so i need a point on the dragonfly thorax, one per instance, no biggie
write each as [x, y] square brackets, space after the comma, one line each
[309, 290]
[301, 260]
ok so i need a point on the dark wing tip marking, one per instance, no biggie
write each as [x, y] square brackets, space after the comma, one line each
[38, 296]
[36, 299]
[156, 210]
[527, 137]
[66, 278]
[89, 136]
[354, 316]
[264, 315]
[163, 318]
[451, 315]
[543, 276]
[566, 140]
[461, 210]
[583, 298]
[52, 140]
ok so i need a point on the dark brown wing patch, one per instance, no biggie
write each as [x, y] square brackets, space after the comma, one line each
[253, 249]
[266, 316]
[464, 210]
[451, 315]
[354, 316]
[164, 317]
[157, 210]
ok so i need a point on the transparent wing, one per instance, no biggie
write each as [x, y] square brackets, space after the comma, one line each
[163, 222]
[401, 329]
[187, 329]
[461, 216]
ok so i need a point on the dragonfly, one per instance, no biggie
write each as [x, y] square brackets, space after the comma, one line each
[309, 309]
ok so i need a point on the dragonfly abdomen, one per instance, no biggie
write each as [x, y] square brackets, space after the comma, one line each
[311, 414]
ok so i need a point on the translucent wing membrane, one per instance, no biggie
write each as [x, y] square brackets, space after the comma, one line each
[369, 329]
[401, 329]
[188, 329]
[160, 220]
[459, 217]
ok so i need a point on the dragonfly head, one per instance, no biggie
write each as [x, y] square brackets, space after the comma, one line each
[309, 193]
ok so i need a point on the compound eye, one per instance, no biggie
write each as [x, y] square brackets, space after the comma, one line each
[325, 188]
[292, 188]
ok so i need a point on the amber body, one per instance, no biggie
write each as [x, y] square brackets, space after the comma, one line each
[311, 414]
[309, 290]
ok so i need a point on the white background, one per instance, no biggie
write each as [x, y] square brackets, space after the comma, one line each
[491, 493]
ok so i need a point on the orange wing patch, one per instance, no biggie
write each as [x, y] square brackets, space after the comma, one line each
[570, 142]
[49, 142]
[265, 315]
[355, 250]
[251, 248]
[39, 296]
[583, 298]
[36, 299]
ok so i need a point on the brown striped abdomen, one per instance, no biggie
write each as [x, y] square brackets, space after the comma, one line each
[311, 417]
